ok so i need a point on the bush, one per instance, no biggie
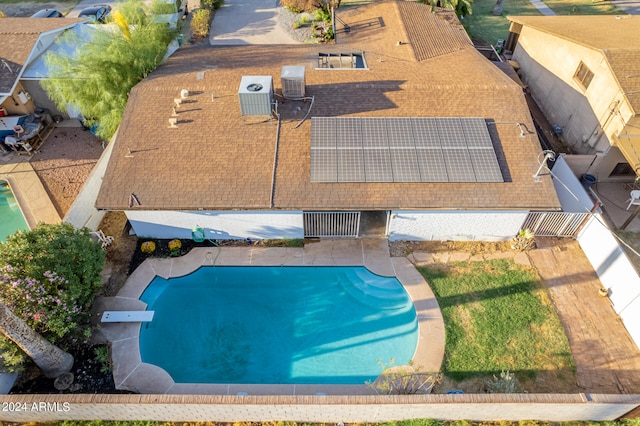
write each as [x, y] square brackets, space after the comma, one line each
[49, 277]
[211, 4]
[200, 23]
[174, 247]
[148, 247]
[297, 6]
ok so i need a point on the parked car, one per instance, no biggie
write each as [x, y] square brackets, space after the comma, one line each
[98, 13]
[48, 13]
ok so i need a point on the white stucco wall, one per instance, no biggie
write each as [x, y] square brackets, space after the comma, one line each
[455, 225]
[615, 272]
[572, 195]
[83, 212]
[225, 225]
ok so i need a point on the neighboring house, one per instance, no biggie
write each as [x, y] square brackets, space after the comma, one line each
[584, 73]
[401, 123]
[24, 40]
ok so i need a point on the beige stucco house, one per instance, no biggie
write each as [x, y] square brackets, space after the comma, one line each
[584, 73]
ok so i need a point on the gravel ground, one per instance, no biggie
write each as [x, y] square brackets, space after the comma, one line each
[302, 34]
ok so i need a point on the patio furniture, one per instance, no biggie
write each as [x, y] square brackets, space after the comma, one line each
[634, 199]
[24, 135]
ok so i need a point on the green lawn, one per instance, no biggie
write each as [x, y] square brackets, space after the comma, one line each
[482, 26]
[498, 317]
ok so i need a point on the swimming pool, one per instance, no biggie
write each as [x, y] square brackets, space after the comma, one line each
[11, 216]
[277, 325]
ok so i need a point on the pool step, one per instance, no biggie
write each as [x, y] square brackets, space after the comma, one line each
[374, 291]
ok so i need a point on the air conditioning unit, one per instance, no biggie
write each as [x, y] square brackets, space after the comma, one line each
[292, 79]
[256, 95]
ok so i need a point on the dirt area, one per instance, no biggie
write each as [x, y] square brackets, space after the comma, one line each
[64, 162]
[26, 9]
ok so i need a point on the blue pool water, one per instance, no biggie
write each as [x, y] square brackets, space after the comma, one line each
[293, 325]
[11, 218]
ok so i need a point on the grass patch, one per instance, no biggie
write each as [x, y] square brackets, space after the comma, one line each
[497, 317]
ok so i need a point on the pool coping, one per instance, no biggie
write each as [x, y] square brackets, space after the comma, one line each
[34, 202]
[130, 373]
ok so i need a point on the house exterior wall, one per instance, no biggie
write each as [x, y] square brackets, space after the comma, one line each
[598, 165]
[455, 225]
[548, 65]
[224, 225]
[40, 97]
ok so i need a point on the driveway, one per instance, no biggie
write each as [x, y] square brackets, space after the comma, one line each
[632, 7]
[248, 22]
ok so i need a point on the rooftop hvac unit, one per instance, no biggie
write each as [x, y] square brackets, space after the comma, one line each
[256, 95]
[292, 79]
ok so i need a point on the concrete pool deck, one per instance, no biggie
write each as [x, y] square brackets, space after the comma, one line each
[130, 373]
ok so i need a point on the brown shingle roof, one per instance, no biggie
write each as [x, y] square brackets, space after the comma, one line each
[617, 37]
[215, 160]
[19, 36]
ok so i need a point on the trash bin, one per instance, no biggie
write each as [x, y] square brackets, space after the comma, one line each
[588, 181]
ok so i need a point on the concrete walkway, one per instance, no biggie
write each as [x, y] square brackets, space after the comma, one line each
[248, 22]
[542, 7]
[607, 360]
[130, 373]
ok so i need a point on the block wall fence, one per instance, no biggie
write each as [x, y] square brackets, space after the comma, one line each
[320, 409]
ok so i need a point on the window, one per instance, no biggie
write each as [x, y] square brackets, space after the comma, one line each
[341, 61]
[622, 169]
[583, 75]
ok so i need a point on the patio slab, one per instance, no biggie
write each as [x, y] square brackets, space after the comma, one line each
[614, 197]
[132, 374]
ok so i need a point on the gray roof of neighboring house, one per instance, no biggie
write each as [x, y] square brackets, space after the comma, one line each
[19, 37]
[216, 160]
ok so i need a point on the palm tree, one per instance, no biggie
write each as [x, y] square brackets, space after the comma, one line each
[52, 360]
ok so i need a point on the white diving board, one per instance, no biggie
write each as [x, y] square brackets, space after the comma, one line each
[127, 316]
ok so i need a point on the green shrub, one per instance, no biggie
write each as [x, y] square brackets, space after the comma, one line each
[49, 277]
[201, 22]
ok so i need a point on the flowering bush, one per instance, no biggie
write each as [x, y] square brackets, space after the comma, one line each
[49, 277]
[148, 247]
[174, 247]
[42, 304]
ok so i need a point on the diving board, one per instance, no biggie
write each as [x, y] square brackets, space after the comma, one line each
[127, 316]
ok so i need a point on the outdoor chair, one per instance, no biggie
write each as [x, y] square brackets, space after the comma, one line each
[634, 199]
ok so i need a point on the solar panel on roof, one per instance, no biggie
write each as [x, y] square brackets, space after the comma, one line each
[418, 149]
[485, 165]
[404, 163]
[459, 166]
[432, 166]
[348, 132]
[476, 132]
[426, 132]
[377, 165]
[350, 165]
[400, 133]
[451, 133]
[323, 132]
[324, 165]
[374, 133]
